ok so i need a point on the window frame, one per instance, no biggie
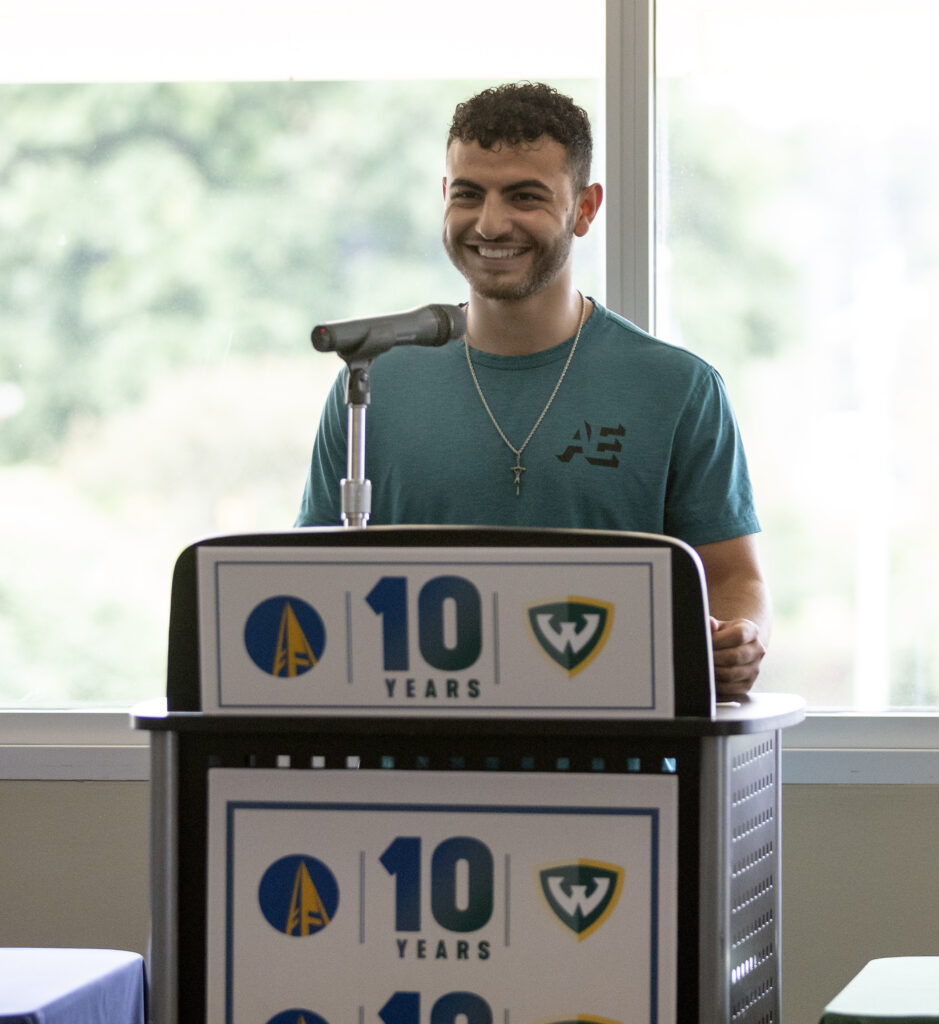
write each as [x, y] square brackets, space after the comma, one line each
[830, 747]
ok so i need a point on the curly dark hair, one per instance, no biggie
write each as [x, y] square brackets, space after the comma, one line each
[522, 112]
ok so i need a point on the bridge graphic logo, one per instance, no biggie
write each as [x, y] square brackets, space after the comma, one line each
[285, 636]
[298, 895]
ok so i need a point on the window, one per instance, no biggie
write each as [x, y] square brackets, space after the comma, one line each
[213, 181]
[797, 248]
[185, 194]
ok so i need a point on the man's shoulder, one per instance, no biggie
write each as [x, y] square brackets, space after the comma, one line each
[621, 337]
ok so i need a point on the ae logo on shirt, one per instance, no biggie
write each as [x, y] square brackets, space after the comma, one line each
[600, 447]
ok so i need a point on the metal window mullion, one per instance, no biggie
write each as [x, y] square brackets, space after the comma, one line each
[630, 173]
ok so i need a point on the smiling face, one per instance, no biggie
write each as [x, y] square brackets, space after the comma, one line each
[510, 216]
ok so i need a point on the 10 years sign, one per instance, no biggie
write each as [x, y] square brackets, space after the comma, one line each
[441, 898]
[487, 631]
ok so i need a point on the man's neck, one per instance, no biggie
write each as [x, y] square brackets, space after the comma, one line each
[524, 326]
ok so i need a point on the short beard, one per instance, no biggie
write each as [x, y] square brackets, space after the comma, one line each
[547, 264]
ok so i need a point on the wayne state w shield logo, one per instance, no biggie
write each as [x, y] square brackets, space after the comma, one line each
[582, 895]
[572, 632]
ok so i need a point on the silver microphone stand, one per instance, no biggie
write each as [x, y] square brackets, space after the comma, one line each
[355, 489]
[358, 342]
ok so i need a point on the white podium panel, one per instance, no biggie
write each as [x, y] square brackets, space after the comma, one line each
[437, 898]
[372, 630]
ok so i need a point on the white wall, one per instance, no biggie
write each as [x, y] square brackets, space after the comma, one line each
[860, 880]
[74, 864]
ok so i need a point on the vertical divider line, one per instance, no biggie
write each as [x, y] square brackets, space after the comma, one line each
[361, 897]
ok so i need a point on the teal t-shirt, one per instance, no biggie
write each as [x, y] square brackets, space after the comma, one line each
[640, 437]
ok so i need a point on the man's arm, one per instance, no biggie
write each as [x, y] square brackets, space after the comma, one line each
[741, 612]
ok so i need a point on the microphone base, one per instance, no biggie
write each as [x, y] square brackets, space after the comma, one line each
[356, 499]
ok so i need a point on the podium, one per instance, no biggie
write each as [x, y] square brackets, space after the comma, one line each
[441, 775]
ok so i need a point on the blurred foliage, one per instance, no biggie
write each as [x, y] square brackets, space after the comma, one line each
[89, 545]
[144, 227]
[165, 250]
[803, 262]
[738, 296]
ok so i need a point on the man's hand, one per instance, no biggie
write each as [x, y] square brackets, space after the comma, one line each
[738, 652]
[741, 613]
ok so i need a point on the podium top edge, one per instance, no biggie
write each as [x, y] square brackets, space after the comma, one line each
[757, 713]
[432, 535]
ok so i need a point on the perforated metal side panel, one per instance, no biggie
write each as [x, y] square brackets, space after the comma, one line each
[754, 879]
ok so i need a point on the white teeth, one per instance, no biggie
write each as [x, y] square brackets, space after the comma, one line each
[498, 254]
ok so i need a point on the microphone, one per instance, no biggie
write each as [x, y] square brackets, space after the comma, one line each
[369, 337]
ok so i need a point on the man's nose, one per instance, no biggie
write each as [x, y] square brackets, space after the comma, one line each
[493, 220]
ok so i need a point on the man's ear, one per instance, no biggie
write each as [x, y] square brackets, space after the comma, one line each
[445, 187]
[588, 203]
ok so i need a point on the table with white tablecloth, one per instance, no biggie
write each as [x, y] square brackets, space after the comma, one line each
[72, 986]
[895, 990]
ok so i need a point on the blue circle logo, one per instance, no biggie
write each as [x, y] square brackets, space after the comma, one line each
[285, 636]
[298, 895]
[297, 1017]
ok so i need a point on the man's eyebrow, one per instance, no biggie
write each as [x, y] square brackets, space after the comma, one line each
[465, 183]
[528, 183]
[515, 186]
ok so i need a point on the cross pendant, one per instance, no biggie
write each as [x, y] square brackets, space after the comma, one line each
[518, 469]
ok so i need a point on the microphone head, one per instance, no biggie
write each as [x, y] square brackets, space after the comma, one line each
[322, 338]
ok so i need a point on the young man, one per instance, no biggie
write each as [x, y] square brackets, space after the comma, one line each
[553, 411]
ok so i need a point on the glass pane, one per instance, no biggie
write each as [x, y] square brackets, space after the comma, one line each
[165, 249]
[798, 250]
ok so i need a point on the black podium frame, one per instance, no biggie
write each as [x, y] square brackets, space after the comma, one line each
[693, 684]
[727, 762]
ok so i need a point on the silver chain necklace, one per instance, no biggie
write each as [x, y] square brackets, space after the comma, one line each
[518, 468]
